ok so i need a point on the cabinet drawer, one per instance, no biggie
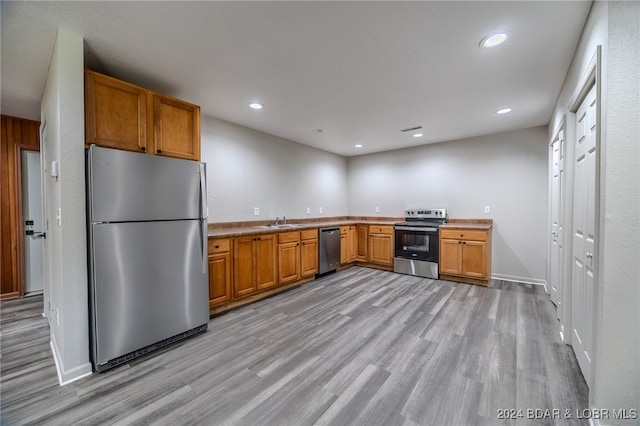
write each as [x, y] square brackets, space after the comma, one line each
[309, 234]
[344, 229]
[464, 234]
[288, 237]
[219, 246]
[381, 229]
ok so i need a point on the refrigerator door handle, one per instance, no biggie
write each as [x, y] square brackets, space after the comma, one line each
[203, 215]
[205, 263]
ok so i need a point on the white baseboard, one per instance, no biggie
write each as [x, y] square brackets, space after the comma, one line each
[523, 280]
[67, 376]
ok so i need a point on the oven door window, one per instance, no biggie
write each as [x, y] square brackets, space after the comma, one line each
[418, 245]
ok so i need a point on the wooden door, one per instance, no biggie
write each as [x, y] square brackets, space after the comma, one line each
[115, 113]
[344, 245]
[362, 235]
[352, 243]
[244, 270]
[219, 278]
[309, 258]
[381, 249]
[266, 257]
[584, 235]
[288, 262]
[450, 257]
[474, 259]
[176, 128]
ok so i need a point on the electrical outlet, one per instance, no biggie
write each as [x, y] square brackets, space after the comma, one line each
[308, 210]
[256, 211]
[487, 209]
[377, 209]
[320, 209]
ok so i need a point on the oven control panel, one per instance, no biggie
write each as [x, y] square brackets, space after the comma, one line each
[425, 213]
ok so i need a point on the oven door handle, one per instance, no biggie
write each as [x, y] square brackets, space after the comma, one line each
[415, 228]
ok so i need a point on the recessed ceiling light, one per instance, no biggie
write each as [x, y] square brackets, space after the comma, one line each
[255, 105]
[494, 39]
[418, 135]
[503, 111]
[358, 145]
[320, 131]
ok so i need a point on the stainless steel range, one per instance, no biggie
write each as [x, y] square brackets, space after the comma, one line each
[417, 242]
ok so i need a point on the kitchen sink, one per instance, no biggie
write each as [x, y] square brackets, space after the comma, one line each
[280, 226]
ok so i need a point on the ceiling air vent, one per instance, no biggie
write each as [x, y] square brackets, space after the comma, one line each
[411, 129]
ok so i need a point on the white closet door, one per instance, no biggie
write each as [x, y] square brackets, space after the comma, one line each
[584, 203]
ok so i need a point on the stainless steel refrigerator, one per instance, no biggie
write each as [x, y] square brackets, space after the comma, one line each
[147, 253]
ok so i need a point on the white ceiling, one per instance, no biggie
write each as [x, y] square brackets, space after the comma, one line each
[359, 70]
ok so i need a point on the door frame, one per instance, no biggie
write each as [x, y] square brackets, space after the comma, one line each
[19, 220]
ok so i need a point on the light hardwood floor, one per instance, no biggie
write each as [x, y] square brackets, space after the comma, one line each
[358, 347]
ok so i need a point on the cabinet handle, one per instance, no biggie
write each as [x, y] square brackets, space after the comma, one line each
[159, 151]
[142, 148]
[217, 246]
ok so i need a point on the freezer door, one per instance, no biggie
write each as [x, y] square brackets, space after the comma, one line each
[127, 186]
[147, 284]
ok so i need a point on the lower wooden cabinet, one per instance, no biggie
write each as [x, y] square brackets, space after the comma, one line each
[348, 244]
[254, 264]
[297, 255]
[220, 271]
[465, 255]
[308, 252]
[361, 242]
[288, 257]
[381, 244]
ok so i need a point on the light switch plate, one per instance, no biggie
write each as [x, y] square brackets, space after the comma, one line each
[487, 209]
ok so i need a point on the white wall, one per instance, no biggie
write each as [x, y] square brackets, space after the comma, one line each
[615, 27]
[66, 289]
[247, 168]
[617, 381]
[507, 172]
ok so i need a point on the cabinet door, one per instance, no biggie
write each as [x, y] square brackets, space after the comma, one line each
[288, 262]
[474, 259]
[362, 234]
[244, 271]
[115, 113]
[266, 256]
[176, 128]
[309, 258]
[450, 257]
[352, 244]
[381, 249]
[219, 278]
[344, 249]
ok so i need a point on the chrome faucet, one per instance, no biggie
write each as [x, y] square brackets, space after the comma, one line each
[284, 220]
[277, 221]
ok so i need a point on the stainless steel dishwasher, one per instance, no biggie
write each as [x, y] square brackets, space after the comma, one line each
[329, 252]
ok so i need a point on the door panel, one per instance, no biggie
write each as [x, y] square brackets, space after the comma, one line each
[584, 235]
[129, 186]
[147, 284]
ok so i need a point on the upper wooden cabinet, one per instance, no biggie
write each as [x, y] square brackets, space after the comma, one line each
[176, 128]
[125, 116]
